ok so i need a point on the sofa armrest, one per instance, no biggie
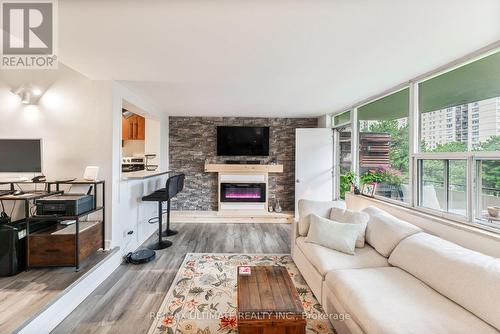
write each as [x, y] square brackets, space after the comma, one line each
[294, 234]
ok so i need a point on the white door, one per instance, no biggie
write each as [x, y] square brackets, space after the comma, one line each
[313, 165]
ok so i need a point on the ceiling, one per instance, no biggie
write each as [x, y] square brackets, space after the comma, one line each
[268, 58]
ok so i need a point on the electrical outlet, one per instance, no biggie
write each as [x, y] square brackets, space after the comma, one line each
[127, 234]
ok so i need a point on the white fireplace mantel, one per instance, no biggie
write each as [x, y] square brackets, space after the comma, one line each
[220, 168]
[243, 173]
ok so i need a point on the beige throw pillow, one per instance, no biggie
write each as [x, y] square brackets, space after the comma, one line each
[347, 216]
[384, 231]
[332, 234]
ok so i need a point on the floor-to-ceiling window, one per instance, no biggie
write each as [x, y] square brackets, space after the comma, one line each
[384, 145]
[432, 145]
[459, 135]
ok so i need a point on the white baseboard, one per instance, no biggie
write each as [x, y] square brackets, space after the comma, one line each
[57, 310]
[230, 217]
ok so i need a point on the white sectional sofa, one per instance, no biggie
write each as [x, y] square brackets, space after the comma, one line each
[403, 281]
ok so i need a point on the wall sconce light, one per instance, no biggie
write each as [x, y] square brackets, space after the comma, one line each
[26, 97]
[29, 94]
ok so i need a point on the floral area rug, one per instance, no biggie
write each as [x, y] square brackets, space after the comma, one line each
[202, 298]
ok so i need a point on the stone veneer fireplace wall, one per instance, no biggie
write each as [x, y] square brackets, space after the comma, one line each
[193, 141]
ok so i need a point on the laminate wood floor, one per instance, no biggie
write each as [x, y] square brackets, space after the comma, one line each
[123, 303]
[27, 293]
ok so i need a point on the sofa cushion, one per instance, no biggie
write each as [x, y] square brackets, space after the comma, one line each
[333, 235]
[321, 208]
[384, 231]
[469, 278]
[347, 216]
[389, 300]
[325, 259]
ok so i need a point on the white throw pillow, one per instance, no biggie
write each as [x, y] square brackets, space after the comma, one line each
[321, 208]
[347, 216]
[333, 235]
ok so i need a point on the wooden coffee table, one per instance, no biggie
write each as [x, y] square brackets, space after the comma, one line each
[268, 302]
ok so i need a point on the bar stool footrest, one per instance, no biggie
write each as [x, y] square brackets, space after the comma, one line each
[169, 233]
[160, 245]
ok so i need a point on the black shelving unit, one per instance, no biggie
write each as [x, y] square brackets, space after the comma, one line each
[20, 224]
[77, 218]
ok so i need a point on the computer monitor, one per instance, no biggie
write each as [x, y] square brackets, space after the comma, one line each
[20, 155]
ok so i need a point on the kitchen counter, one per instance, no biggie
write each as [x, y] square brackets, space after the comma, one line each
[143, 174]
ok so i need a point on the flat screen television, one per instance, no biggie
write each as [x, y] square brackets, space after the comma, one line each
[20, 156]
[243, 141]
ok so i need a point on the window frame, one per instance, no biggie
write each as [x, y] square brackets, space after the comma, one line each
[346, 123]
[489, 156]
[415, 153]
[446, 157]
[336, 155]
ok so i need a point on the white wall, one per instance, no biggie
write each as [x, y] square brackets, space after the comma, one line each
[325, 121]
[72, 118]
[469, 237]
[79, 121]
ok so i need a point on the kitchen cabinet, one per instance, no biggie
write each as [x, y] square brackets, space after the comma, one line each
[141, 128]
[125, 128]
[134, 128]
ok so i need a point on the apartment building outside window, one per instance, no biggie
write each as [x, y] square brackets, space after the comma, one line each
[452, 176]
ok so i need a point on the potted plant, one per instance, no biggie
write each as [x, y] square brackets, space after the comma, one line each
[371, 176]
[347, 183]
[387, 181]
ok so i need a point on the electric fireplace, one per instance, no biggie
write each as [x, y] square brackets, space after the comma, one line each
[243, 192]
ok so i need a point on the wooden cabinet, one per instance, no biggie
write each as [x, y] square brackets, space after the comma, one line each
[134, 128]
[125, 129]
[56, 247]
[140, 128]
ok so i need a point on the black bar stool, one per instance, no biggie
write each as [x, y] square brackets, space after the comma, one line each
[174, 185]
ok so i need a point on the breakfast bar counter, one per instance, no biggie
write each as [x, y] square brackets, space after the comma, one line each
[132, 212]
[143, 174]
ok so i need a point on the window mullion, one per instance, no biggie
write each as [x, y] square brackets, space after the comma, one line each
[419, 181]
[355, 141]
[469, 189]
[446, 185]
[336, 164]
[413, 140]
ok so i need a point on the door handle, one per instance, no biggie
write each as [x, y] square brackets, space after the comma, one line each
[297, 181]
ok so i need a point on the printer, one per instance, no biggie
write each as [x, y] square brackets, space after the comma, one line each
[65, 204]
